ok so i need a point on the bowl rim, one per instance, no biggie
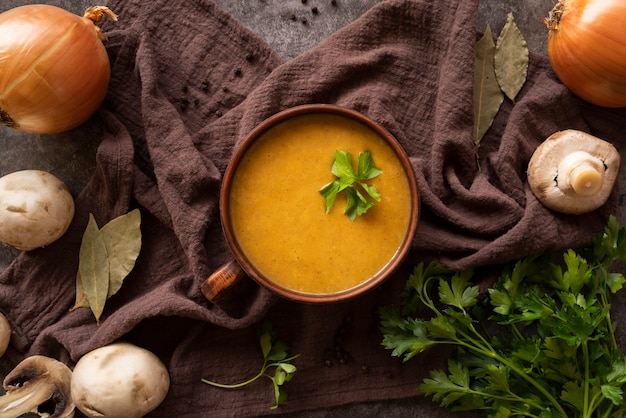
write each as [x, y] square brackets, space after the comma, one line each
[309, 297]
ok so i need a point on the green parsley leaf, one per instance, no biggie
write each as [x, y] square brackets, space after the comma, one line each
[459, 293]
[406, 337]
[572, 393]
[612, 393]
[360, 195]
[367, 170]
[498, 377]
[540, 343]
[448, 388]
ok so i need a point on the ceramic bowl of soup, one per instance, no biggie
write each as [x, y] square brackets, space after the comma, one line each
[276, 221]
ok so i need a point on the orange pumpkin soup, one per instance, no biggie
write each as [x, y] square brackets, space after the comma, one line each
[278, 216]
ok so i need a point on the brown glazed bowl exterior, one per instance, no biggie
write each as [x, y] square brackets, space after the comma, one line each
[248, 267]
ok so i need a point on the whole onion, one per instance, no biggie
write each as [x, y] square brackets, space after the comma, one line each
[54, 69]
[587, 49]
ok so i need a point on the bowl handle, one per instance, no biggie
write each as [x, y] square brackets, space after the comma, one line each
[222, 279]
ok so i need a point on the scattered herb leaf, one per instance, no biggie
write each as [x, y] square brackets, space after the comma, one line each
[488, 96]
[107, 256]
[353, 184]
[511, 59]
[275, 354]
[541, 343]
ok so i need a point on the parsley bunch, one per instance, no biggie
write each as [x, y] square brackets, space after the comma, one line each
[275, 355]
[348, 180]
[541, 343]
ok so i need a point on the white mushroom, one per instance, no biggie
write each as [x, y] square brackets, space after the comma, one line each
[5, 334]
[39, 385]
[573, 172]
[36, 208]
[119, 380]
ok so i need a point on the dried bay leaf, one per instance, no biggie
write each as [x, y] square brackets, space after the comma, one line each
[488, 96]
[511, 59]
[81, 297]
[119, 242]
[122, 237]
[93, 267]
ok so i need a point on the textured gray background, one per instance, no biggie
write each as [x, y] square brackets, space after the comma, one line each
[70, 156]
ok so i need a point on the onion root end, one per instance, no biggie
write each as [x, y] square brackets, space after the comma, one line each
[96, 14]
[554, 16]
[6, 120]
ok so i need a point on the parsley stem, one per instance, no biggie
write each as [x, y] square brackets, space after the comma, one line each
[236, 385]
[489, 351]
[516, 332]
[586, 409]
[609, 322]
[595, 402]
[511, 396]
[262, 373]
[534, 383]
[475, 346]
[483, 347]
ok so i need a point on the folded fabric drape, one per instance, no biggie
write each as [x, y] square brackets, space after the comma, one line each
[188, 83]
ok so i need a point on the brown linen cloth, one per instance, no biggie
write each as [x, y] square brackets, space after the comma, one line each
[188, 83]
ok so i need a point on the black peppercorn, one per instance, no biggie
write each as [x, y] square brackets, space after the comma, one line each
[184, 103]
[315, 10]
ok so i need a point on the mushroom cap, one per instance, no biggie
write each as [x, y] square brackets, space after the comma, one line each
[39, 385]
[586, 185]
[36, 209]
[119, 380]
[5, 334]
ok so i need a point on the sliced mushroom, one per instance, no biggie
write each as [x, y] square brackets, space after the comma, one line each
[40, 385]
[573, 172]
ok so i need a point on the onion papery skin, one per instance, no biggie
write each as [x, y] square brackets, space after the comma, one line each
[587, 49]
[54, 69]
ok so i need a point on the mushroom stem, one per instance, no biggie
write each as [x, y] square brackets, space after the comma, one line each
[573, 172]
[582, 173]
[24, 399]
[40, 385]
